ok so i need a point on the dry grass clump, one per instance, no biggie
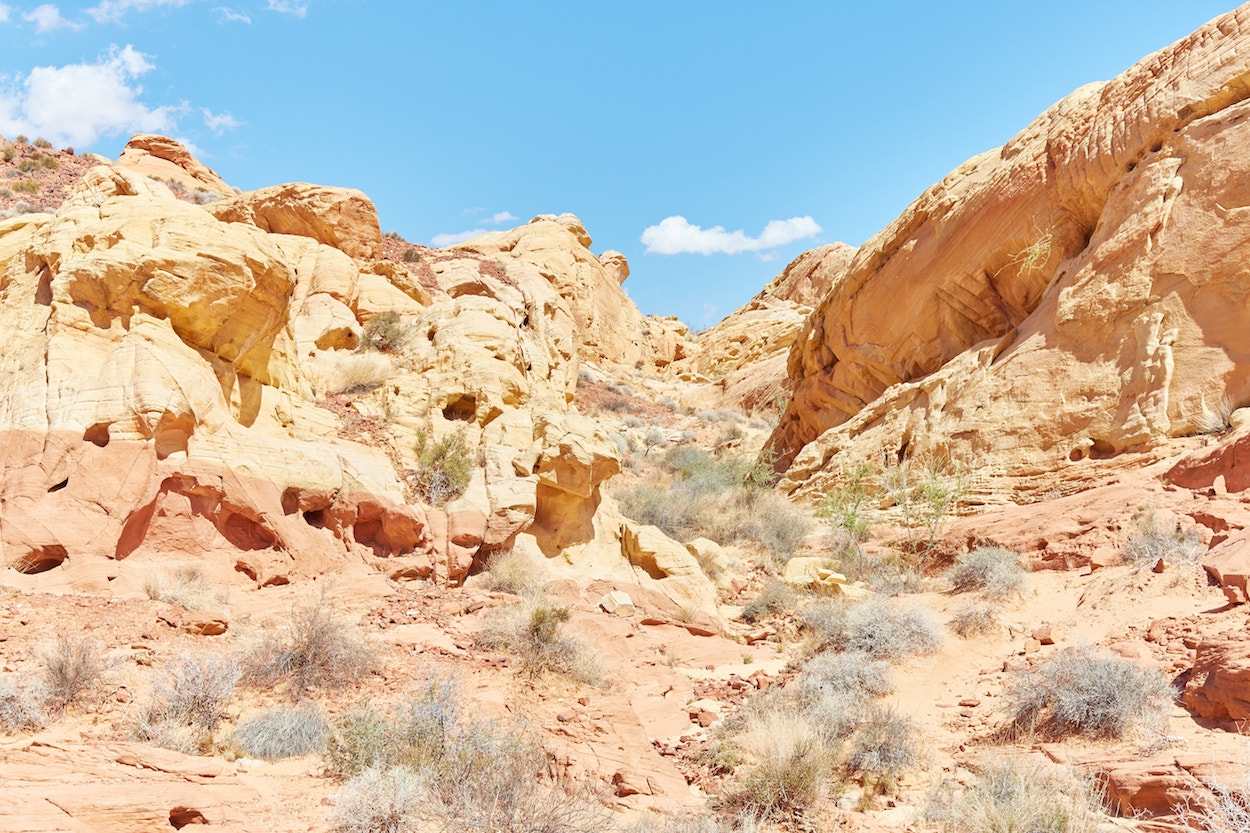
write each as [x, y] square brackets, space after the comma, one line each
[21, 704]
[776, 599]
[1153, 540]
[282, 733]
[1224, 809]
[185, 585]
[790, 767]
[883, 747]
[188, 701]
[1009, 797]
[73, 667]
[703, 823]
[974, 618]
[531, 631]
[858, 673]
[471, 775]
[882, 628]
[314, 650]
[723, 498]
[993, 572]
[342, 371]
[1084, 691]
[515, 571]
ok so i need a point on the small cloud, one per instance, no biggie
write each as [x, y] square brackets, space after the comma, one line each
[219, 122]
[77, 104]
[231, 16]
[501, 217]
[47, 18]
[4, 13]
[441, 240]
[112, 11]
[711, 314]
[288, 7]
[675, 235]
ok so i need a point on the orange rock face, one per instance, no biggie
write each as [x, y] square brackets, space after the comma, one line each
[1071, 295]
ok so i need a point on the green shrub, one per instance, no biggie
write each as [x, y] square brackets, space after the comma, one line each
[314, 650]
[386, 332]
[1084, 691]
[444, 469]
[360, 739]
[1011, 797]
[411, 256]
[993, 571]
[283, 733]
[1152, 541]
[844, 506]
[73, 667]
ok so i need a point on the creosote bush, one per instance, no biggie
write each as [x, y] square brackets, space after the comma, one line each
[1009, 797]
[531, 631]
[992, 571]
[724, 498]
[444, 468]
[1084, 691]
[315, 650]
[282, 733]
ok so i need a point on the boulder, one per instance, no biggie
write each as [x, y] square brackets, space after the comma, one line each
[340, 217]
[1219, 685]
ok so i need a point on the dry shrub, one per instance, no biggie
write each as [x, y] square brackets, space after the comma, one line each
[73, 667]
[1009, 797]
[340, 371]
[385, 332]
[188, 701]
[315, 650]
[975, 618]
[790, 768]
[1225, 808]
[282, 733]
[379, 801]
[531, 631]
[992, 571]
[184, 585]
[880, 627]
[516, 571]
[1153, 540]
[1084, 691]
[21, 704]
[884, 745]
[776, 599]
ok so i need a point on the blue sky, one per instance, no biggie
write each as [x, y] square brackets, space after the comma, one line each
[785, 125]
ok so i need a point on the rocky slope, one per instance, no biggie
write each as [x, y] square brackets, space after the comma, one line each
[1080, 296]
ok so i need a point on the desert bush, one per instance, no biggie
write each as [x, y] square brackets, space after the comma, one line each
[360, 739]
[1225, 808]
[21, 704]
[21, 139]
[777, 598]
[411, 256]
[880, 627]
[385, 332]
[531, 631]
[993, 571]
[974, 618]
[925, 492]
[515, 571]
[844, 506]
[42, 143]
[202, 196]
[315, 650]
[884, 745]
[188, 701]
[1152, 540]
[283, 733]
[72, 667]
[444, 468]
[379, 801]
[26, 186]
[857, 672]
[702, 823]
[340, 371]
[8, 152]
[723, 498]
[185, 585]
[789, 767]
[1010, 797]
[1085, 691]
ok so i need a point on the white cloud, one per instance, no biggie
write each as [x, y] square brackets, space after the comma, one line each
[4, 13]
[219, 122]
[111, 11]
[231, 16]
[674, 235]
[501, 217]
[78, 103]
[288, 7]
[441, 240]
[47, 18]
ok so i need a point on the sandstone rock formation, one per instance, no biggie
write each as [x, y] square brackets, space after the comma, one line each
[186, 379]
[1070, 296]
[160, 157]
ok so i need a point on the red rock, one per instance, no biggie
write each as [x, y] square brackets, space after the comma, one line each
[566, 716]
[1219, 686]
